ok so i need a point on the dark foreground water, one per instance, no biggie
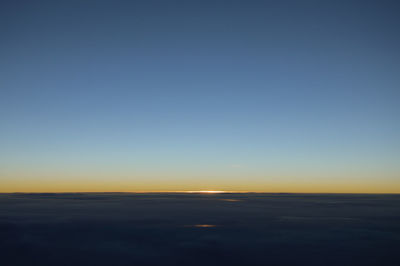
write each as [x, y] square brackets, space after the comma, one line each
[199, 229]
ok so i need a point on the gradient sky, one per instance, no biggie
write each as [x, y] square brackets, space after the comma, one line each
[288, 96]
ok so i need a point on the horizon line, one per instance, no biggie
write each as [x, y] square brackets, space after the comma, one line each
[190, 192]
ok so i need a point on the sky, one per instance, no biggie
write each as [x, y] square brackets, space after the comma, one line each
[265, 96]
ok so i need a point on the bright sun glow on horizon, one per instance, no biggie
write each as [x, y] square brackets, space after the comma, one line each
[208, 191]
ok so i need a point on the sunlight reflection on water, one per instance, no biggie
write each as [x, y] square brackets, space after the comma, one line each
[202, 225]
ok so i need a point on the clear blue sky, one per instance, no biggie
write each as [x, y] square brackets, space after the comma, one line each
[241, 95]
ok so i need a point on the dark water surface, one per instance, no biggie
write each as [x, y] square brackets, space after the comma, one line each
[199, 229]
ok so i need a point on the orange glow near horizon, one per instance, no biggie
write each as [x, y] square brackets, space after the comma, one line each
[169, 182]
[208, 191]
